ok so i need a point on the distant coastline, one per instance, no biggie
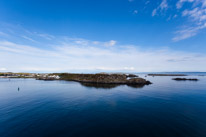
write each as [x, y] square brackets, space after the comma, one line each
[100, 78]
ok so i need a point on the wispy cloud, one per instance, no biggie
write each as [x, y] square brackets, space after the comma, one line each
[196, 16]
[194, 13]
[28, 38]
[163, 6]
[154, 12]
[181, 2]
[45, 36]
[188, 32]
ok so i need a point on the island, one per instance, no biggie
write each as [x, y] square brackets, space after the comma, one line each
[185, 79]
[97, 80]
[100, 78]
[166, 75]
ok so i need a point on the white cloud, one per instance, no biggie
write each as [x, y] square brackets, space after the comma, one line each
[196, 14]
[81, 42]
[163, 5]
[204, 3]
[111, 43]
[154, 12]
[3, 69]
[129, 68]
[84, 42]
[68, 57]
[67, 54]
[46, 36]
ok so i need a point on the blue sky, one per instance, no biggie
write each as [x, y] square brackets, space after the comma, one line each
[102, 35]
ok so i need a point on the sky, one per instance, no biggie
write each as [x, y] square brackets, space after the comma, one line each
[102, 35]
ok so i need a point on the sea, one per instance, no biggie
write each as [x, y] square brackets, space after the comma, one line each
[166, 108]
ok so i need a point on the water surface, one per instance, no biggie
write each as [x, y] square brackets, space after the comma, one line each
[166, 108]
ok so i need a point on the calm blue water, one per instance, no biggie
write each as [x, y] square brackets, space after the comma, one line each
[166, 108]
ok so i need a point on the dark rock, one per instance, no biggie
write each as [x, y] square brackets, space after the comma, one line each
[131, 75]
[185, 79]
[166, 75]
[138, 81]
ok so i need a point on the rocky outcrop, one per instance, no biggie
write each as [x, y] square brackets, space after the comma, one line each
[134, 81]
[131, 75]
[185, 79]
[167, 75]
[104, 79]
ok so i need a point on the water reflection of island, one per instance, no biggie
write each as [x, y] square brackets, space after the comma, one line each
[108, 86]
